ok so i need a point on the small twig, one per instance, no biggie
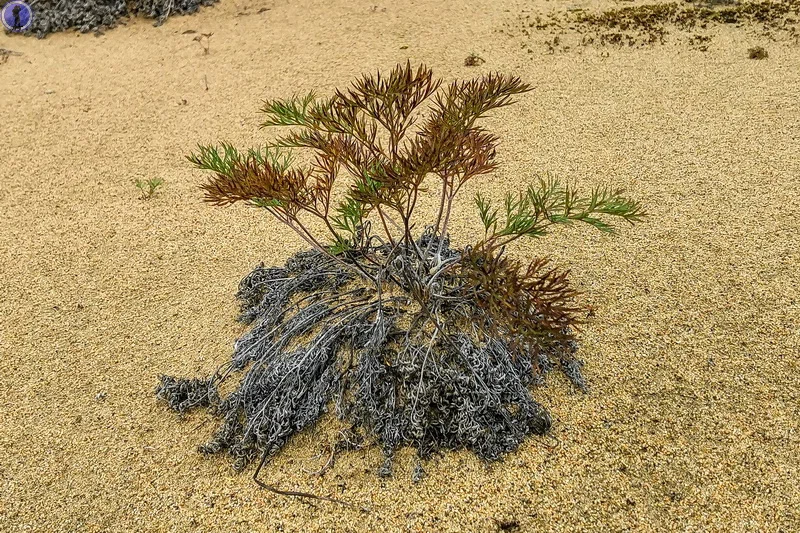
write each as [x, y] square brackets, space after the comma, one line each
[339, 446]
[553, 446]
[201, 424]
[328, 464]
[474, 60]
[299, 494]
[5, 54]
[205, 41]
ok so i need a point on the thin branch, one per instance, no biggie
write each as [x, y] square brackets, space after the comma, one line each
[299, 494]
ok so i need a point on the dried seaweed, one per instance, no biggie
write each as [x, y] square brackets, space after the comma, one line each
[319, 340]
[94, 15]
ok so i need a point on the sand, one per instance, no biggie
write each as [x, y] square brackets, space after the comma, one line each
[692, 421]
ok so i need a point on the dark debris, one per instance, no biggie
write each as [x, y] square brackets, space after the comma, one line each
[318, 340]
[51, 16]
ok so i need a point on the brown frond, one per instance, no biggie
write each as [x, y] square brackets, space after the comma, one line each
[533, 305]
[456, 155]
[492, 91]
[336, 117]
[324, 172]
[252, 180]
[380, 185]
[305, 138]
[478, 153]
[390, 100]
[462, 103]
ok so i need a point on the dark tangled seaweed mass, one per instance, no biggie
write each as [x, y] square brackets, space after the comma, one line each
[93, 15]
[320, 338]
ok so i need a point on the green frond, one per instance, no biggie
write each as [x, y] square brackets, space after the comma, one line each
[339, 247]
[608, 202]
[350, 214]
[222, 159]
[550, 202]
[291, 112]
[487, 214]
[265, 202]
[273, 155]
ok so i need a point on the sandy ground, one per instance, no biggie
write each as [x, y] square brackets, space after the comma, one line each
[692, 422]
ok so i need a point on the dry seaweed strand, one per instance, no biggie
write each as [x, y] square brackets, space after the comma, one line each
[300, 494]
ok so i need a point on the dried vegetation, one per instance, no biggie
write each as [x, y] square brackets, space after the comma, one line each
[411, 341]
[650, 24]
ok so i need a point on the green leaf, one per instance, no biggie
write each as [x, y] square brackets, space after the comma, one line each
[266, 202]
[350, 216]
[221, 160]
[549, 202]
[291, 112]
[271, 155]
[340, 246]
[488, 216]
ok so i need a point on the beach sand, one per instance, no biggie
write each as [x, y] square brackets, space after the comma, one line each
[692, 422]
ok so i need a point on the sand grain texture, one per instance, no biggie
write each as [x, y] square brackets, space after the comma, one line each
[692, 419]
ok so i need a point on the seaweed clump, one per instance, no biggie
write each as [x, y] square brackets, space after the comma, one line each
[94, 15]
[411, 341]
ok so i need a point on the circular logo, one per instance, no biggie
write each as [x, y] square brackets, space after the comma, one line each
[17, 16]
